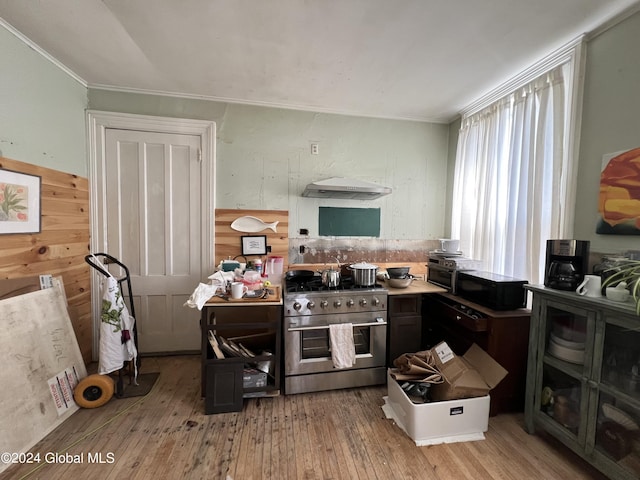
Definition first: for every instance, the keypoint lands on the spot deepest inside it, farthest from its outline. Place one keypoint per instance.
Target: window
(516, 163)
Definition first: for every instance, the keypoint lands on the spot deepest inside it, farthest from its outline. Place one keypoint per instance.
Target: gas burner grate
(315, 285)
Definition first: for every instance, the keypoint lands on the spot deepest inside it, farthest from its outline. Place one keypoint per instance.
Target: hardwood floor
(341, 434)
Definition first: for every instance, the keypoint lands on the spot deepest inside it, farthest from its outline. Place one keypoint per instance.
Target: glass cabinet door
(621, 359)
(618, 414)
(561, 398)
(565, 366)
(566, 336)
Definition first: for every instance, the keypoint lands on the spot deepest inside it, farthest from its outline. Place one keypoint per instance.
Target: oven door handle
(326, 327)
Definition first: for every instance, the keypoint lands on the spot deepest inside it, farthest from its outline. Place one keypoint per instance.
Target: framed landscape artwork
(619, 198)
(19, 202)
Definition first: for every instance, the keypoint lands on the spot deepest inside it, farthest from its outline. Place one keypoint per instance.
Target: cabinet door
(223, 387)
(565, 345)
(617, 409)
(405, 336)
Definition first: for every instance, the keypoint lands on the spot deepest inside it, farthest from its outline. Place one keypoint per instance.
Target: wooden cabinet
(258, 327)
(583, 380)
(404, 325)
(502, 334)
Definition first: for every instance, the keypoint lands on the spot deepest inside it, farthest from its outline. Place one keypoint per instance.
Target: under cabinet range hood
(346, 188)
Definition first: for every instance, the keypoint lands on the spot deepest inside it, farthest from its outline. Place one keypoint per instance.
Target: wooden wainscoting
(61, 245)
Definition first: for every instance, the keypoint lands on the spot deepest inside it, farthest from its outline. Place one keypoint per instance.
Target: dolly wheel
(94, 391)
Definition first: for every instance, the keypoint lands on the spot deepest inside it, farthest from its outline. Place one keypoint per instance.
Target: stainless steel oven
(442, 269)
(308, 364)
(442, 276)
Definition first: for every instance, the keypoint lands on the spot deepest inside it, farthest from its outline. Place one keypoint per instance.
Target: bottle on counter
(257, 265)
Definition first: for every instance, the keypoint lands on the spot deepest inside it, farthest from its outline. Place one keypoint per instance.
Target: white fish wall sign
(250, 224)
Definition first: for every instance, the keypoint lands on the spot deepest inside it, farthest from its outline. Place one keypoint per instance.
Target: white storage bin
(447, 421)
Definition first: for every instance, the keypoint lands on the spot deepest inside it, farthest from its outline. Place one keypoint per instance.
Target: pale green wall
(42, 119)
(42, 122)
(264, 159)
(610, 123)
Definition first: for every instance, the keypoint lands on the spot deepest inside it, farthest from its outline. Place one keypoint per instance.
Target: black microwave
(497, 292)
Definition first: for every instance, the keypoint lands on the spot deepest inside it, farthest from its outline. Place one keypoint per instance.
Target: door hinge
(199, 155)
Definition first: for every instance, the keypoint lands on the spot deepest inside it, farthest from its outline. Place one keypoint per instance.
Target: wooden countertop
(520, 312)
(274, 298)
(416, 287)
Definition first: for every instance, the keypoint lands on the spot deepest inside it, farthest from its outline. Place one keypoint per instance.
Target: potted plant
(625, 275)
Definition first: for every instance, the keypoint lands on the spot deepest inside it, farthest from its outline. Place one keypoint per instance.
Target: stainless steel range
(309, 309)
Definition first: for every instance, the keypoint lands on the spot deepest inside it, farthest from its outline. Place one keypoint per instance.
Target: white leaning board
(37, 343)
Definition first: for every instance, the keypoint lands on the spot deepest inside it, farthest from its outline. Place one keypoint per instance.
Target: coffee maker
(566, 263)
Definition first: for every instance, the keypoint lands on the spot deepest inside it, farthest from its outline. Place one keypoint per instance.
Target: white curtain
(514, 178)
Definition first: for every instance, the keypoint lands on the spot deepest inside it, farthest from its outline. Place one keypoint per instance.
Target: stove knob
(350, 302)
(375, 302)
(311, 305)
(297, 306)
(337, 304)
(363, 302)
(324, 304)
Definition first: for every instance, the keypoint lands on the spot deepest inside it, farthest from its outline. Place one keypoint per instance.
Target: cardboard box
(472, 375)
(252, 378)
(451, 421)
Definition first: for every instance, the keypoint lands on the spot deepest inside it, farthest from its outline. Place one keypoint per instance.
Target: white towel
(200, 295)
(343, 350)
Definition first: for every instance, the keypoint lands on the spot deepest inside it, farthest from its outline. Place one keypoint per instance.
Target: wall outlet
(314, 149)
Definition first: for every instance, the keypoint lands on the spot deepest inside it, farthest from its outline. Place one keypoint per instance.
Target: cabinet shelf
(571, 369)
(621, 395)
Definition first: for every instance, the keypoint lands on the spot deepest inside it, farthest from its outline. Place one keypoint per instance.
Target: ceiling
(404, 59)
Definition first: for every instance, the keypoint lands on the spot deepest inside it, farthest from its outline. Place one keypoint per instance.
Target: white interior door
(152, 197)
(153, 227)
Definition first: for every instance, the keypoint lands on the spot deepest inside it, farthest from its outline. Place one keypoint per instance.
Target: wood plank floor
(342, 434)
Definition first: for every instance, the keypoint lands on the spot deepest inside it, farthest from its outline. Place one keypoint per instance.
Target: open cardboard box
(472, 375)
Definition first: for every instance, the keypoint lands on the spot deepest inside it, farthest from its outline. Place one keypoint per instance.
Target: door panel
(153, 212)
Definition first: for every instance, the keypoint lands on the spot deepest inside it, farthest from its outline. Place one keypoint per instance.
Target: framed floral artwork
(19, 202)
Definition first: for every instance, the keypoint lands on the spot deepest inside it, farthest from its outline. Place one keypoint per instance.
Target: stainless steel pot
(364, 274)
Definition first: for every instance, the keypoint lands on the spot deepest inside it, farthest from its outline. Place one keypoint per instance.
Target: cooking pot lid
(363, 265)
